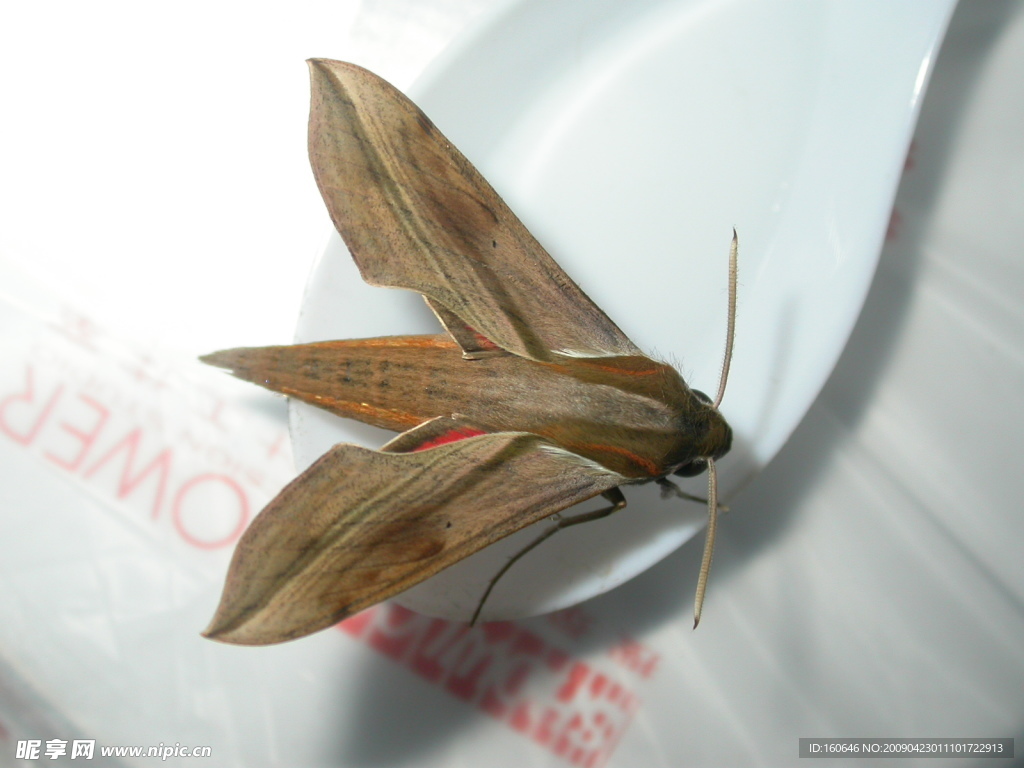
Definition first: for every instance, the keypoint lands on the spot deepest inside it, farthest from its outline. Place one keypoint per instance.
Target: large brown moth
(531, 402)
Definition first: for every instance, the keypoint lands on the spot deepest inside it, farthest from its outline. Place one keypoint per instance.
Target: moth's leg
(668, 488)
(614, 495)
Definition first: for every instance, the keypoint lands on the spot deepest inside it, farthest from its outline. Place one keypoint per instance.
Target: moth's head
(715, 440)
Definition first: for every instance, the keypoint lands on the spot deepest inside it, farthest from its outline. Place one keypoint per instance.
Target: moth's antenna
(709, 541)
(709, 536)
(730, 330)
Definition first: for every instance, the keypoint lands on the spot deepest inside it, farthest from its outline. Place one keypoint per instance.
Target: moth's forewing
(416, 214)
(361, 525)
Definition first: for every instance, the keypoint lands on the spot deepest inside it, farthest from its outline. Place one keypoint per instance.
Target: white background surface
(869, 583)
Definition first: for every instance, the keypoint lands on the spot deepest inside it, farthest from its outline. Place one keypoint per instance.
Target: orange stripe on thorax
(649, 466)
(625, 371)
(591, 364)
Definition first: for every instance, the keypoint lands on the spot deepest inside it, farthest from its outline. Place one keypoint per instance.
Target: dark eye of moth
(702, 397)
(692, 469)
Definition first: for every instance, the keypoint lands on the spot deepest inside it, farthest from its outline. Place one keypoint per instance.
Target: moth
(531, 401)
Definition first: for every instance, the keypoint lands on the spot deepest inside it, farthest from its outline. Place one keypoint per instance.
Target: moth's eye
(702, 397)
(691, 468)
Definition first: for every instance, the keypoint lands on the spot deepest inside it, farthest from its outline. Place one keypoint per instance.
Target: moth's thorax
(644, 421)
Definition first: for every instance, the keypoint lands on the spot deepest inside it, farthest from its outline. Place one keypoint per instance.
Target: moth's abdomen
(378, 381)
